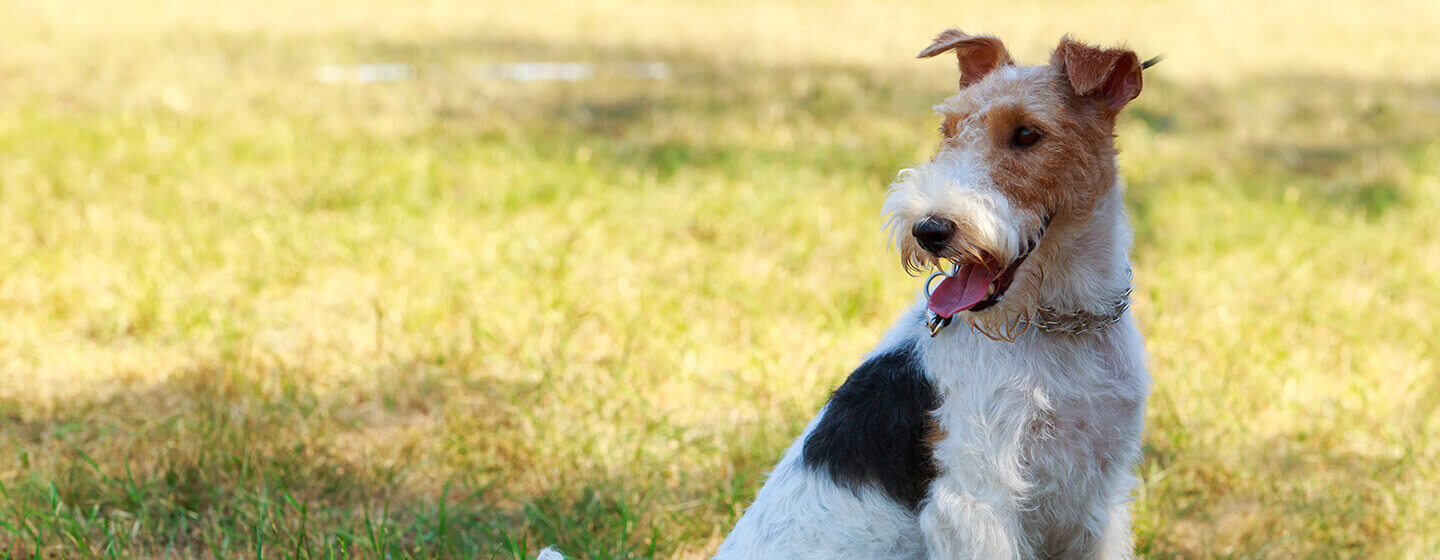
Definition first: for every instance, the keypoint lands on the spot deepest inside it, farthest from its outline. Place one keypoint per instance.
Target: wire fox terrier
(1013, 434)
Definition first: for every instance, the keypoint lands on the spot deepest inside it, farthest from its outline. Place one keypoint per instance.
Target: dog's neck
(1086, 266)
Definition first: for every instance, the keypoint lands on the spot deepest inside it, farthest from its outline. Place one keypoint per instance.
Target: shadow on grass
(215, 464)
(205, 466)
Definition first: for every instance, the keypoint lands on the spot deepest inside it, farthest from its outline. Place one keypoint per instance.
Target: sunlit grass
(244, 313)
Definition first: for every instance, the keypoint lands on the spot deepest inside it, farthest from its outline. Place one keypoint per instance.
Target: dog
(1000, 418)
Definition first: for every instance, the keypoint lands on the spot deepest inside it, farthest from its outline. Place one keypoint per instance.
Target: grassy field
(248, 313)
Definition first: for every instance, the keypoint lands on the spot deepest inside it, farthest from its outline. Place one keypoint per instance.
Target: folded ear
(1112, 75)
(978, 54)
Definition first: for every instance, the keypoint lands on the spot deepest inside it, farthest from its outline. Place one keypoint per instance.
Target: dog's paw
(549, 554)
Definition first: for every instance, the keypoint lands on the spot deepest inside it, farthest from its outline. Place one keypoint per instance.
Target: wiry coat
(987, 441)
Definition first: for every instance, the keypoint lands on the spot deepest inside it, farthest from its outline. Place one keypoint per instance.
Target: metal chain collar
(1078, 322)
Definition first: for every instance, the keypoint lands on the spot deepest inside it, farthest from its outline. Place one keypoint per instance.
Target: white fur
(799, 515)
(1043, 432)
(955, 185)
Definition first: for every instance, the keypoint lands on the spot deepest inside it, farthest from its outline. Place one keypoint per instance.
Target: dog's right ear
(978, 54)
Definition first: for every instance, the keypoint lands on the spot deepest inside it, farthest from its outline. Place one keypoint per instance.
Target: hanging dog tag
(935, 323)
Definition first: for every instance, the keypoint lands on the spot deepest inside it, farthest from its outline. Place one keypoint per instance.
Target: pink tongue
(961, 291)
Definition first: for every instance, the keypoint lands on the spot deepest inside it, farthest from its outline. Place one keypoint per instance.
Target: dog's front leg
(1118, 542)
(972, 520)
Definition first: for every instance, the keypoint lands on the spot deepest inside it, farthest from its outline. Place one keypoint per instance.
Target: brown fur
(934, 432)
(1113, 73)
(978, 54)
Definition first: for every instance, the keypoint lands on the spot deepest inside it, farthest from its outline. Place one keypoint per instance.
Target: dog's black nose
(932, 233)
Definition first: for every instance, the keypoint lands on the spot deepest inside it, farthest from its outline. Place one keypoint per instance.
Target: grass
(247, 314)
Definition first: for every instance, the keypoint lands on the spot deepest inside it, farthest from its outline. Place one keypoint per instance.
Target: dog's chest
(1025, 415)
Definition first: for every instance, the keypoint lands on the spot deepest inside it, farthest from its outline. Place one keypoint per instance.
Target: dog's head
(1025, 153)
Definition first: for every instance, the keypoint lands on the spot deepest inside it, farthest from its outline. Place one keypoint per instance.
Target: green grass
(247, 314)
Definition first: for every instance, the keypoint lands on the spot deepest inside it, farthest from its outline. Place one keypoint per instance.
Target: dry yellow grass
(246, 313)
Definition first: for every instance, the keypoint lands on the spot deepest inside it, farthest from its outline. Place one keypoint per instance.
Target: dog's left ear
(978, 54)
(1112, 75)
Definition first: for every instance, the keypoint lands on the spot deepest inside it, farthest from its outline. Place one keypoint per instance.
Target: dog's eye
(1025, 137)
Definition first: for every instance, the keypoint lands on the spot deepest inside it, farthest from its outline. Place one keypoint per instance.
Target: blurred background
(452, 279)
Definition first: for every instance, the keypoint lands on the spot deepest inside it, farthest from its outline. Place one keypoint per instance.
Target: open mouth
(975, 286)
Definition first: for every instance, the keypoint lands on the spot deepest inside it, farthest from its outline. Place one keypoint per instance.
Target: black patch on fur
(873, 430)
